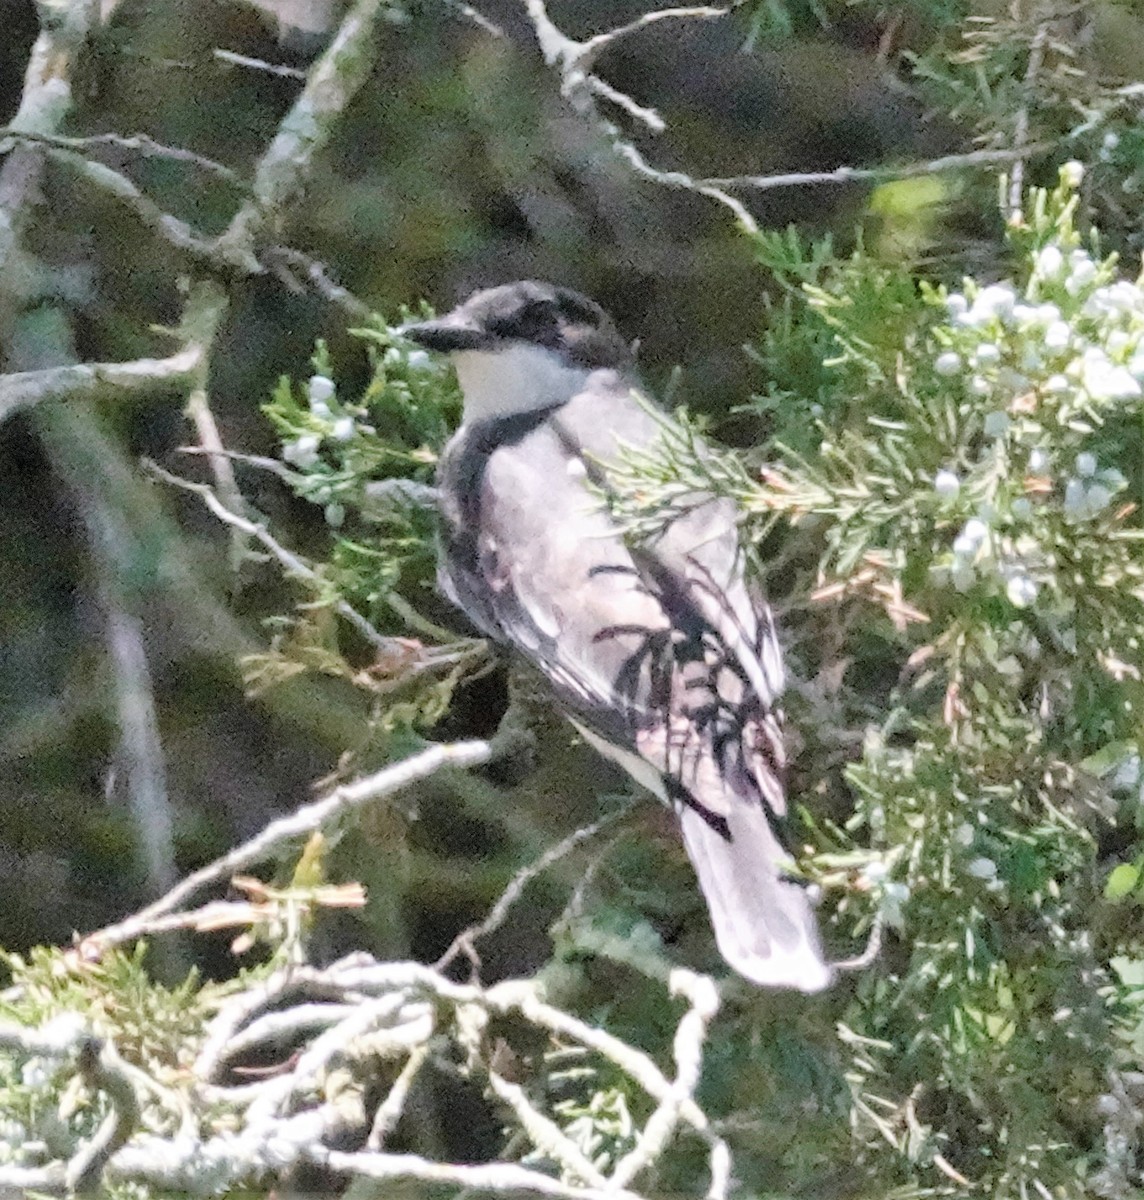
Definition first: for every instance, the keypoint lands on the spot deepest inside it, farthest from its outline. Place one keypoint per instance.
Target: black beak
(450, 332)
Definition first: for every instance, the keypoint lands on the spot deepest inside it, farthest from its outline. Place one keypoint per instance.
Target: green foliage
(968, 484)
(366, 461)
(340, 449)
(155, 1029)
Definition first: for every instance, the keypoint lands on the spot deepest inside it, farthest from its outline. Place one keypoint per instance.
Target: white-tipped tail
(764, 924)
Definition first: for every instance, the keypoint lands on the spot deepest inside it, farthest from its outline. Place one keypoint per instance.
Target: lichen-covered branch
(141, 376)
(330, 1036)
(331, 84)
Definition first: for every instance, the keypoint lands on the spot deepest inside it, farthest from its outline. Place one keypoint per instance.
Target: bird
(659, 650)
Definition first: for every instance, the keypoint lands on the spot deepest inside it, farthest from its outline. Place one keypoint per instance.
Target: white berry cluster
(1039, 367)
(303, 450)
(328, 422)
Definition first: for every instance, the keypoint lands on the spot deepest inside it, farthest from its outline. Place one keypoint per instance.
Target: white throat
(515, 379)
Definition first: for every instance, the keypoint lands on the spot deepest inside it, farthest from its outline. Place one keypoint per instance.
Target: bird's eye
(529, 322)
(542, 313)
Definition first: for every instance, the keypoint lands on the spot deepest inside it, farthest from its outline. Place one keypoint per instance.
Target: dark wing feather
(658, 652)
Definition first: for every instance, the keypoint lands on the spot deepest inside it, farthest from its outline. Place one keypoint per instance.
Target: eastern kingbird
(658, 650)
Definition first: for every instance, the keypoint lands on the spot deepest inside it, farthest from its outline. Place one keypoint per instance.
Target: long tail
(764, 924)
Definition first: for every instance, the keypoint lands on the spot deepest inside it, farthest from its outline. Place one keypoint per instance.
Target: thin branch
(213, 254)
(92, 381)
(477, 18)
(679, 180)
(690, 1035)
(317, 275)
(521, 997)
(451, 651)
(45, 102)
(139, 143)
(257, 64)
(591, 49)
(198, 409)
(639, 112)
(306, 981)
(573, 60)
(293, 564)
(936, 166)
(465, 941)
(390, 1109)
(546, 1136)
(456, 756)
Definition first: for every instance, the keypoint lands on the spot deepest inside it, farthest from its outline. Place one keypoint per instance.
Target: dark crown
(541, 314)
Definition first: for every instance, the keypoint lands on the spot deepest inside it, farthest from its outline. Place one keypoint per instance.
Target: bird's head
(523, 346)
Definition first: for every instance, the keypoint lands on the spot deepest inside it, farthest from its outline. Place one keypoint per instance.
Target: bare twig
(935, 166)
(317, 274)
(543, 1132)
(214, 255)
(574, 60)
(138, 143)
(390, 1109)
(580, 88)
(451, 652)
(295, 565)
(257, 64)
(306, 981)
(689, 1037)
(91, 381)
(201, 415)
(591, 49)
(871, 951)
(458, 755)
(339, 1021)
(465, 941)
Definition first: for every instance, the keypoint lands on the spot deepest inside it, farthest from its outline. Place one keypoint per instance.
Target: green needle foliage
(968, 471)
